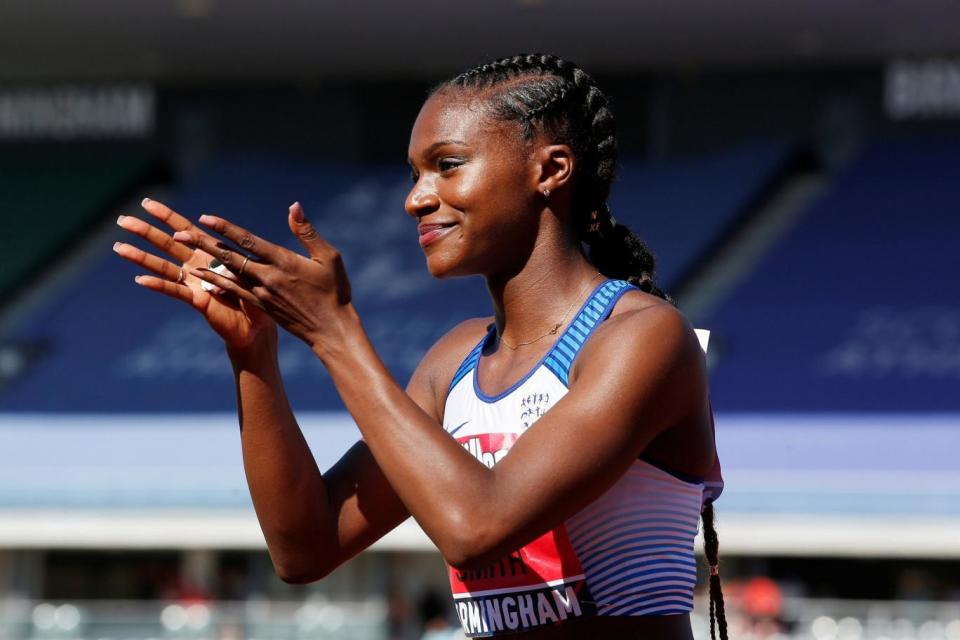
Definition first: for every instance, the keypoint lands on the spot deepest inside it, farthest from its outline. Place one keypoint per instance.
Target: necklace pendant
(554, 330)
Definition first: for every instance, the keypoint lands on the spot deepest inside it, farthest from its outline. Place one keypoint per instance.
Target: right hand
(239, 323)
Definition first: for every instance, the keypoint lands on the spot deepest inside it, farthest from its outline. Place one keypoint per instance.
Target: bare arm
(642, 373)
(311, 522)
(574, 453)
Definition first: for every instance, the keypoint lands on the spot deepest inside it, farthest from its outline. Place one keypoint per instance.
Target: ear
(554, 164)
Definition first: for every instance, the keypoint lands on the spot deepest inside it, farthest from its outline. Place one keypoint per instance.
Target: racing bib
(540, 584)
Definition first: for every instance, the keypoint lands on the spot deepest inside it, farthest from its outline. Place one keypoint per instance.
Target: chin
(439, 269)
(441, 266)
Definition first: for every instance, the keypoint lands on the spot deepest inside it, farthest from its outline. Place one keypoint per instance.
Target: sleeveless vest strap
(470, 361)
(595, 310)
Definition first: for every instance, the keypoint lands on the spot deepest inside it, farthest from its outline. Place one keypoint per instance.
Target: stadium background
(793, 166)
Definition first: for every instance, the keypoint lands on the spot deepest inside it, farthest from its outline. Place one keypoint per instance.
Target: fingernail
(205, 219)
(120, 219)
(297, 211)
(182, 236)
(145, 202)
(137, 280)
(117, 245)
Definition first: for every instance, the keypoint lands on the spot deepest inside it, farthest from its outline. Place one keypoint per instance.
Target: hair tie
(714, 570)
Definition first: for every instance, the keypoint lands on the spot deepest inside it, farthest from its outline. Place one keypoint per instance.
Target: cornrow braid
(621, 253)
(543, 92)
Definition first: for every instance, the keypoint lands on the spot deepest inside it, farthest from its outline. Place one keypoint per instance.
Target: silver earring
(546, 193)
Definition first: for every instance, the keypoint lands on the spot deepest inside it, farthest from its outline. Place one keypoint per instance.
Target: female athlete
(586, 374)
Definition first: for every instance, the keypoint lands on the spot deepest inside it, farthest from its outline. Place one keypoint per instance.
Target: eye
(414, 176)
(448, 164)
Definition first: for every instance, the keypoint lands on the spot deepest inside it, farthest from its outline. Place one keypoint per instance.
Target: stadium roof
(216, 40)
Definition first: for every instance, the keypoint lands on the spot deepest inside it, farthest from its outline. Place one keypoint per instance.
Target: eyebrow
(436, 145)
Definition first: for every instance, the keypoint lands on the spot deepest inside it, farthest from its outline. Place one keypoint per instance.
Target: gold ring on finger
(181, 277)
(243, 265)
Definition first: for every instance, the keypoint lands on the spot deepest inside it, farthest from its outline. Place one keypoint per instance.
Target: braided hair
(547, 93)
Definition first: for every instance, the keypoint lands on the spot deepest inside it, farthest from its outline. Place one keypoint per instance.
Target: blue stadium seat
(683, 207)
(854, 309)
(115, 348)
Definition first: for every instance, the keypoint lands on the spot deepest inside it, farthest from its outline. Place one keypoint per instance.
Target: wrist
(343, 335)
(259, 351)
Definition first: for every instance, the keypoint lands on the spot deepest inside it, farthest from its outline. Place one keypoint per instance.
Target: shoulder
(645, 335)
(440, 363)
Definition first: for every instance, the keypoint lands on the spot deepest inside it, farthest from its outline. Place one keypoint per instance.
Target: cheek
(489, 196)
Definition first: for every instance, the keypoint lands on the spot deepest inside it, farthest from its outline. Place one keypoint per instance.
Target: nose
(421, 200)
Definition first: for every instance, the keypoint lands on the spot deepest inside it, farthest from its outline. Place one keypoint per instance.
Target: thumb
(304, 231)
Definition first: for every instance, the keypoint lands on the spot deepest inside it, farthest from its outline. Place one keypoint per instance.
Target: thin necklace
(556, 327)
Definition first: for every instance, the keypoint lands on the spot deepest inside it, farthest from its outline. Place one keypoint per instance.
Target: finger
(227, 284)
(169, 217)
(228, 257)
(154, 236)
(243, 238)
(315, 245)
(172, 289)
(159, 266)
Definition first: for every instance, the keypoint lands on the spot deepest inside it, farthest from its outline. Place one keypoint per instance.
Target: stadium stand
(836, 364)
(683, 208)
(49, 199)
(143, 387)
(849, 312)
(115, 348)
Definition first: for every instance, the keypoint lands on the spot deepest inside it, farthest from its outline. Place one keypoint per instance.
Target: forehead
(457, 115)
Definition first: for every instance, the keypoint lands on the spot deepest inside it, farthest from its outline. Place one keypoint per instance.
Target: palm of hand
(236, 321)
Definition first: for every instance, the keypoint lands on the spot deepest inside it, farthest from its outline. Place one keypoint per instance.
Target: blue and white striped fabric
(635, 543)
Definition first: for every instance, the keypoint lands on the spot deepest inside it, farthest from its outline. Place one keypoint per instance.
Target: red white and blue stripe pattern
(634, 543)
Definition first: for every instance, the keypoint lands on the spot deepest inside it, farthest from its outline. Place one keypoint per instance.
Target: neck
(530, 300)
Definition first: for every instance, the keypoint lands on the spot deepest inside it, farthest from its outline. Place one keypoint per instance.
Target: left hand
(309, 296)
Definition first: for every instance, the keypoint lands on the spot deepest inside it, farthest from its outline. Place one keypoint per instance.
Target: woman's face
(474, 190)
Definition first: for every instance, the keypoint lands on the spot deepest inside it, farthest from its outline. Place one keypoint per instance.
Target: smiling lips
(430, 233)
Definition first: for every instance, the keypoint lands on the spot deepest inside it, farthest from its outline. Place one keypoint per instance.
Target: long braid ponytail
(711, 548)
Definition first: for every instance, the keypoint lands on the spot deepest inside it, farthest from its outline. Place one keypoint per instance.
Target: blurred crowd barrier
(828, 619)
(786, 619)
(198, 620)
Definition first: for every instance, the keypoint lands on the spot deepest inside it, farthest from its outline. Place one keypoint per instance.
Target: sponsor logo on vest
(508, 566)
(489, 458)
(507, 613)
